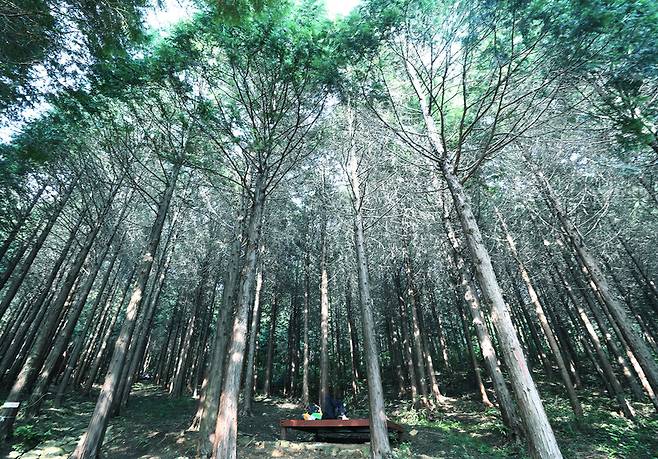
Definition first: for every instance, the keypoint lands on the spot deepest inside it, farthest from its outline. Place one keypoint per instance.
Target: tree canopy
(425, 209)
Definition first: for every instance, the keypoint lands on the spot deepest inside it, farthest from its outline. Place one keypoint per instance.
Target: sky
(337, 8)
(175, 10)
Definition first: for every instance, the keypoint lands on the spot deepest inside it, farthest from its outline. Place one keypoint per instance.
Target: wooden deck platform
(334, 426)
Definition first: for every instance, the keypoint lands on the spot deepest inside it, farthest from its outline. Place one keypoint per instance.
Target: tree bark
(64, 336)
(105, 342)
(92, 342)
(226, 429)
(30, 327)
(417, 339)
(101, 298)
(253, 336)
(352, 337)
(36, 247)
(20, 222)
(271, 339)
(474, 361)
(90, 443)
(145, 329)
(540, 433)
(207, 410)
(24, 313)
(324, 314)
(599, 284)
(648, 283)
(543, 321)
(305, 363)
(608, 372)
(176, 388)
(396, 357)
(32, 365)
(508, 407)
(379, 444)
(406, 340)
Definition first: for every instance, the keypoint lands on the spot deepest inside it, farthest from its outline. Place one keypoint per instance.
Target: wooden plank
(333, 423)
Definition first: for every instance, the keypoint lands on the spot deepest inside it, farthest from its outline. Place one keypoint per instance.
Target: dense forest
(442, 212)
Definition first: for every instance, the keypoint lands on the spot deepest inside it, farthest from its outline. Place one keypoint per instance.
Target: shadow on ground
(156, 426)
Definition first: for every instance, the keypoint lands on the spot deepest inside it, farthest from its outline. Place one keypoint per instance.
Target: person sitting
(334, 409)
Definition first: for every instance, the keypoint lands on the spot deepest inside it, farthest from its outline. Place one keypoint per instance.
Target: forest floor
(155, 426)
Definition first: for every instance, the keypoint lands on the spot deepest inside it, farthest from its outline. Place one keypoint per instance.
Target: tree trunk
(104, 343)
(608, 372)
(101, 298)
(154, 299)
(90, 443)
(17, 281)
(307, 280)
(540, 434)
(19, 223)
(324, 315)
(64, 335)
(543, 321)
(379, 444)
(176, 388)
(352, 337)
(443, 346)
(599, 283)
(226, 429)
(535, 334)
(396, 357)
(508, 408)
(30, 327)
(207, 410)
(417, 340)
(406, 345)
(23, 314)
(92, 342)
(649, 332)
(32, 365)
(271, 341)
(293, 340)
(474, 361)
(253, 337)
(647, 283)
(17, 256)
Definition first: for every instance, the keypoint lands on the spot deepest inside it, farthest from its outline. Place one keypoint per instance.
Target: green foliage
(403, 451)
(617, 44)
(27, 436)
(235, 11)
(606, 432)
(25, 28)
(64, 38)
(50, 136)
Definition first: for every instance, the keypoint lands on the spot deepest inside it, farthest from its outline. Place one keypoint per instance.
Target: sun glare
(339, 8)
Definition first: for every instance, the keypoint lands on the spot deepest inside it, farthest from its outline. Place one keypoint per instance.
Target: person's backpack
(313, 411)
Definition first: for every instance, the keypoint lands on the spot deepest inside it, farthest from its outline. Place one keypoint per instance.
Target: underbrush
(460, 428)
(464, 428)
(27, 436)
